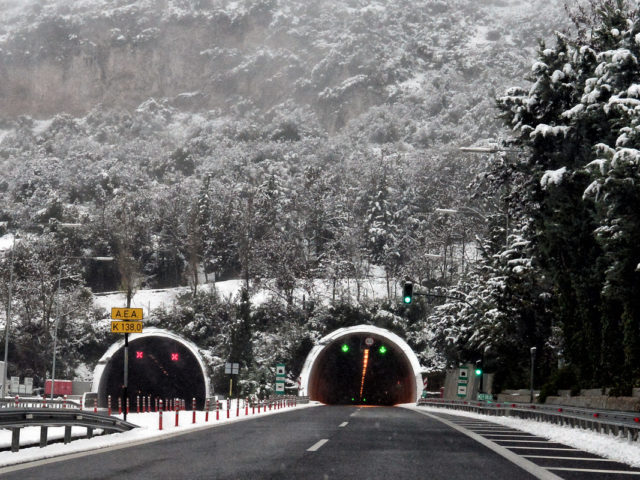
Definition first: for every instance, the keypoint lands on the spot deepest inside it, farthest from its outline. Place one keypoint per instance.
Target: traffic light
(407, 292)
(478, 368)
(382, 350)
(344, 348)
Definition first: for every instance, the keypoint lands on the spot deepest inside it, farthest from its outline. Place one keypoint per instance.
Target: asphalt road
(339, 442)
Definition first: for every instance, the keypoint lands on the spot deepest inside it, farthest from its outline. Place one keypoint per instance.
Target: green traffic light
(364, 399)
(345, 348)
(407, 299)
(382, 350)
(478, 372)
(353, 399)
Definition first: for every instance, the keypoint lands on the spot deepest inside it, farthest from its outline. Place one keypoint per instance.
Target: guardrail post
(15, 439)
(43, 436)
(67, 434)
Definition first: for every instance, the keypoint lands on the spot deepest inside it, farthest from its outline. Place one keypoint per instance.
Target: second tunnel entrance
(364, 368)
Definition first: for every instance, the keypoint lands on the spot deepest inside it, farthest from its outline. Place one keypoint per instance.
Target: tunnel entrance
(161, 365)
(362, 365)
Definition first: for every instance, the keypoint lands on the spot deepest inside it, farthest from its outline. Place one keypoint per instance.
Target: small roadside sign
(126, 327)
(130, 314)
(280, 374)
(231, 368)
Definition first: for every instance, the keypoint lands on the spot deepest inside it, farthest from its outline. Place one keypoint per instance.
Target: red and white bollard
(237, 407)
(109, 404)
(137, 404)
(246, 407)
(64, 402)
(44, 401)
(177, 414)
(17, 400)
(206, 411)
(127, 405)
(160, 417)
(95, 405)
(259, 403)
(217, 410)
(119, 406)
(193, 407)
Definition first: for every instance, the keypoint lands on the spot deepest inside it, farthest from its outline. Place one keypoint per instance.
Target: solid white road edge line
(343, 424)
(580, 459)
(521, 462)
(317, 445)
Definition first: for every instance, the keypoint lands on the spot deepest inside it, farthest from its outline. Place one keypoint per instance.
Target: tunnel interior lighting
(344, 348)
(382, 350)
(365, 362)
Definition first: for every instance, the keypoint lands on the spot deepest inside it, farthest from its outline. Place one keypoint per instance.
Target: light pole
(55, 330)
(493, 148)
(533, 359)
(7, 322)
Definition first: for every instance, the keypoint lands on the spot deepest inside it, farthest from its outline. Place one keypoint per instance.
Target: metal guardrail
(602, 421)
(15, 419)
(37, 402)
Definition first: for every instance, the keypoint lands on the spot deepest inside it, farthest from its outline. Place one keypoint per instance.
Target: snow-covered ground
(148, 431)
(370, 288)
(607, 446)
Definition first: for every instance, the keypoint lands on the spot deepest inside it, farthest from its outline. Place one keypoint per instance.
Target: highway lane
(340, 442)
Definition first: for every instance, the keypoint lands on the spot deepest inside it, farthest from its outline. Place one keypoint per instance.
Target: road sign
(126, 314)
(126, 327)
(280, 374)
(231, 368)
(462, 390)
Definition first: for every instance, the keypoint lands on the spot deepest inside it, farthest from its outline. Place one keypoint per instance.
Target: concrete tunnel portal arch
(338, 371)
(161, 365)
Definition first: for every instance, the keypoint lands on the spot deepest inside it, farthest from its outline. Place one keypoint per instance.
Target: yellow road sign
(126, 327)
(126, 314)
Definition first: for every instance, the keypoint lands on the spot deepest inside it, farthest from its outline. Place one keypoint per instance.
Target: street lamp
(7, 322)
(533, 359)
(55, 329)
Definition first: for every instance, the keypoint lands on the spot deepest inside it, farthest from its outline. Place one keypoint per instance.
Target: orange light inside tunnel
(365, 362)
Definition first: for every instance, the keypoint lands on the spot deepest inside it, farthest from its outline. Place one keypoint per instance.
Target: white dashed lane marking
(317, 445)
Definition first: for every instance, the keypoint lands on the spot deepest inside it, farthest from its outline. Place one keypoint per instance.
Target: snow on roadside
(148, 431)
(609, 446)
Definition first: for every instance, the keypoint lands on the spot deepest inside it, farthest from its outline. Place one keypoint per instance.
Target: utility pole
(533, 359)
(6, 325)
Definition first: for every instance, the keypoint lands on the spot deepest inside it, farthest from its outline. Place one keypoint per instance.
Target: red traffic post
(64, 402)
(17, 400)
(44, 401)
(193, 407)
(206, 411)
(127, 405)
(119, 406)
(217, 410)
(109, 404)
(237, 407)
(160, 417)
(177, 415)
(137, 404)
(95, 405)
(246, 407)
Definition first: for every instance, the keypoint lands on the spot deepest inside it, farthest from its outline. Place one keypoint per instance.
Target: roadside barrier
(620, 424)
